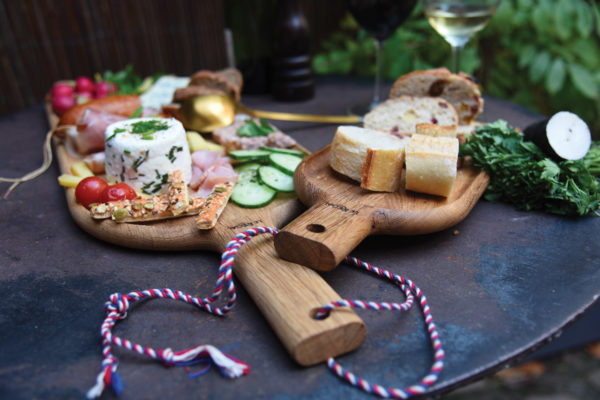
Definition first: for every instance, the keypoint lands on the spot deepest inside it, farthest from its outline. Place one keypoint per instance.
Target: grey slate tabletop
(500, 284)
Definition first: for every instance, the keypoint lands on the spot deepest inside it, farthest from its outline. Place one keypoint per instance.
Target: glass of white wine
(458, 20)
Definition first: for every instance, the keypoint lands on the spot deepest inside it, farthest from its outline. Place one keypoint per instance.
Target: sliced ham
(204, 159)
(95, 162)
(89, 136)
(208, 169)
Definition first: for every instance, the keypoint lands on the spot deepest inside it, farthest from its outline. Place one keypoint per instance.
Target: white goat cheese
(143, 151)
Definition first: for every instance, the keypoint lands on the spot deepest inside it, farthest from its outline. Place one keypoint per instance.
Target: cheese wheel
(350, 144)
(431, 164)
(142, 152)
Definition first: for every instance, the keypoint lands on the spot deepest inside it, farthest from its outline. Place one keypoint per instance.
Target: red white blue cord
(408, 287)
(118, 305)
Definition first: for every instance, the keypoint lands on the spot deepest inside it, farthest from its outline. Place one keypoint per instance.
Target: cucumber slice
(252, 194)
(285, 162)
(276, 179)
(247, 171)
(292, 152)
(248, 166)
(247, 155)
(248, 175)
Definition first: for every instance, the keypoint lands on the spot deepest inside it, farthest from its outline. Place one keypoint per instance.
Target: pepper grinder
(292, 77)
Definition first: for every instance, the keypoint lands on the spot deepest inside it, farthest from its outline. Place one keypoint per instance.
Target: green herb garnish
(115, 132)
(140, 160)
(137, 112)
(171, 154)
(251, 128)
(522, 175)
(148, 128)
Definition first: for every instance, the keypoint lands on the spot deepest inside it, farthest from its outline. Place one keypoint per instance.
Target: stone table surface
(500, 284)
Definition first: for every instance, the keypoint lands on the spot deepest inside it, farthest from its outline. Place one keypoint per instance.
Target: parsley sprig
(522, 175)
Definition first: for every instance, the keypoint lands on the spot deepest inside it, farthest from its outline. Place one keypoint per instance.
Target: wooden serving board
(342, 214)
(286, 293)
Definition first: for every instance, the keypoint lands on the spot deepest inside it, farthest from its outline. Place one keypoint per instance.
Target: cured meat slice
(89, 136)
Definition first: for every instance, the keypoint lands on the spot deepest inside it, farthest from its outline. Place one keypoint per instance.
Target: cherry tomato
(118, 191)
(89, 190)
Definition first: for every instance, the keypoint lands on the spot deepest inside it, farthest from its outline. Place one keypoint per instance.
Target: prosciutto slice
(89, 136)
(208, 169)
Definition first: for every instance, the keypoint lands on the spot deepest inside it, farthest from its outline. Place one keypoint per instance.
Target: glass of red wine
(380, 18)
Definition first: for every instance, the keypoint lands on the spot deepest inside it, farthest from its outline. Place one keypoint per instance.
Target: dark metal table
(507, 283)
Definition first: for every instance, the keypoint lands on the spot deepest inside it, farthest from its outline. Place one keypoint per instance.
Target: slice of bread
(349, 148)
(400, 115)
(436, 130)
(458, 89)
(431, 164)
(382, 169)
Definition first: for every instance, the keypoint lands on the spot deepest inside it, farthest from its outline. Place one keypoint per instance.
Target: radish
(61, 89)
(563, 136)
(104, 88)
(60, 104)
(84, 84)
(83, 97)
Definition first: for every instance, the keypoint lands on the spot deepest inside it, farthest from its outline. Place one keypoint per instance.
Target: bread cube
(350, 144)
(431, 164)
(382, 170)
(436, 130)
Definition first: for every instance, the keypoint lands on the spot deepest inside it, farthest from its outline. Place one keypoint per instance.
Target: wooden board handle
(288, 295)
(324, 235)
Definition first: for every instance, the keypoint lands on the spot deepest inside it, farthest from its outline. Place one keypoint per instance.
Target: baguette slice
(349, 148)
(382, 170)
(436, 130)
(400, 115)
(458, 89)
(431, 164)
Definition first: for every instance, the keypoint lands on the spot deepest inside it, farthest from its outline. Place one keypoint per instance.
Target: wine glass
(379, 18)
(458, 20)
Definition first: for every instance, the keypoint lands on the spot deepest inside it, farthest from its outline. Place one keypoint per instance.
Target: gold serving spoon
(208, 112)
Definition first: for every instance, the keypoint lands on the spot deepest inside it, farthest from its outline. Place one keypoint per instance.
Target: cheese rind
(144, 161)
(431, 164)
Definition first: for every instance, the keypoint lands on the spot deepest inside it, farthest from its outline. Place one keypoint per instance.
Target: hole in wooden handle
(314, 311)
(316, 228)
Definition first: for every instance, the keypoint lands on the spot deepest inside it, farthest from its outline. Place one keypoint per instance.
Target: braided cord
(117, 306)
(408, 287)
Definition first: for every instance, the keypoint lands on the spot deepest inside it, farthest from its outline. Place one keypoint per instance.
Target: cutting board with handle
(286, 293)
(341, 214)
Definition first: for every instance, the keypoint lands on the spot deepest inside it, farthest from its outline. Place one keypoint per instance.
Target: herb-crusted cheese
(143, 151)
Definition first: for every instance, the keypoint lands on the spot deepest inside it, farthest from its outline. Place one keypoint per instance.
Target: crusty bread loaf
(459, 89)
(350, 144)
(436, 130)
(400, 115)
(431, 164)
(227, 80)
(382, 169)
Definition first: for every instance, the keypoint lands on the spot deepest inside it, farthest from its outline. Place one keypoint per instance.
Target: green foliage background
(542, 54)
